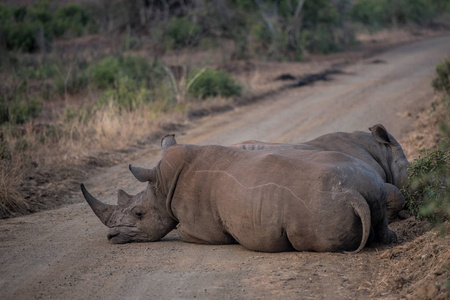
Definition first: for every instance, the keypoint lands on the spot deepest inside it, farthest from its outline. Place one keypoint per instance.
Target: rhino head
(144, 217)
(397, 164)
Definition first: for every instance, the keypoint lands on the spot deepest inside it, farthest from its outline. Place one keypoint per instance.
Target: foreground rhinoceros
(378, 149)
(315, 201)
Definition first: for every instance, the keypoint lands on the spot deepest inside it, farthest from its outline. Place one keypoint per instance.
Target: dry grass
(44, 158)
(11, 199)
(106, 129)
(419, 269)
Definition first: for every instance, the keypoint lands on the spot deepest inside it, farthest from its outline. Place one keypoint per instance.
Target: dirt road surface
(64, 253)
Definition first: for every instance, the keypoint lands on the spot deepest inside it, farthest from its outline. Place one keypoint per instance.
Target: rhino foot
(389, 237)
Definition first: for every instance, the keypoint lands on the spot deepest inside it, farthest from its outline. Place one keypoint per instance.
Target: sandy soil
(64, 253)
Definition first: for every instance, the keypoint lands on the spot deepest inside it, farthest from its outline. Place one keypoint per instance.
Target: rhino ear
(143, 174)
(380, 134)
(123, 199)
(168, 141)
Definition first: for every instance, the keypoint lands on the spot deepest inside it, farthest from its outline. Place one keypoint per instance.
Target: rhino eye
(139, 215)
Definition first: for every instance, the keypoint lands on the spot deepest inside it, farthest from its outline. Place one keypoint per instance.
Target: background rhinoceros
(314, 201)
(379, 149)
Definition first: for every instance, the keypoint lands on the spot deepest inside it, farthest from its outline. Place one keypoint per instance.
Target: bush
(23, 27)
(427, 195)
(182, 33)
(105, 72)
(23, 111)
(22, 37)
(128, 82)
(379, 13)
(72, 19)
(72, 79)
(110, 69)
(126, 95)
(442, 82)
(371, 13)
(212, 83)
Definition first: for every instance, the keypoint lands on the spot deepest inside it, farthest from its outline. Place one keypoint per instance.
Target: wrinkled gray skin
(317, 201)
(378, 149)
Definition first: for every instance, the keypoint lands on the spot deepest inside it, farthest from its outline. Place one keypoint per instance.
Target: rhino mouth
(112, 235)
(126, 234)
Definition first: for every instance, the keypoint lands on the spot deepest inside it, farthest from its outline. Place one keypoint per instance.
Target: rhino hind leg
(384, 235)
(394, 202)
(379, 215)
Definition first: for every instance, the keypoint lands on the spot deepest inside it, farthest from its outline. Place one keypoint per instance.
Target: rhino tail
(362, 209)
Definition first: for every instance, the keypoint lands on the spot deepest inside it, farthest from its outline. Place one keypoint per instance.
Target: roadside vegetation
(428, 191)
(100, 75)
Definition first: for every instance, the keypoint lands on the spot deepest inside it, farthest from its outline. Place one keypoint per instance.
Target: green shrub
(23, 111)
(105, 72)
(110, 69)
(72, 19)
(29, 67)
(380, 13)
(123, 96)
(128, 82)
(22, 37)
(5, 151)
(427, 195)
(23, 26)
(182, 33)
(72, 77)
(212, 83)
(442, 81)
(371, 13)
(321, 40)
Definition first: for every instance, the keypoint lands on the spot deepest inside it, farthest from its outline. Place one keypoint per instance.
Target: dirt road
(64, 253)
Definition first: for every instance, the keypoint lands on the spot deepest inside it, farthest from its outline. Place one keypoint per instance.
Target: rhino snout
(112, 234)
(114, 237)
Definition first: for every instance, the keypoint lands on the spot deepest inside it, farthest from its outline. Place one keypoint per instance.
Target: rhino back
(358, 144)
(270, 201)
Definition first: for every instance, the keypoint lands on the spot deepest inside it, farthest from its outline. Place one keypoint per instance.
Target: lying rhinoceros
(317, 201)
(379, 149)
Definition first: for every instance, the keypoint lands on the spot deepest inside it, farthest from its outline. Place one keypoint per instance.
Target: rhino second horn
(168, 141)
(143, 174)
(102, 211)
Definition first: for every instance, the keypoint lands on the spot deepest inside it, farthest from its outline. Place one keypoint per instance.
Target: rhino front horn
(168, 141)
(102, 211)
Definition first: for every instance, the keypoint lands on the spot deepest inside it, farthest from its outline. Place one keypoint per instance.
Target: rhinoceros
(270, 202)
(379, 149)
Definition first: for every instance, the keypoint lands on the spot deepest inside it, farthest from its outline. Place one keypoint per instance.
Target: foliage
(25, 110)
(105, 72)
(72, 77)
(182, 33)
(128, 81)
(72, 19)
(284, 30)
(379, 13)
(371, 13)
(212, 83)
(442, 81)
(427, 194)
(16, 106)
(32, 28)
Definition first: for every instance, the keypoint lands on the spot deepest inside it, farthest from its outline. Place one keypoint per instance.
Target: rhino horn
(143, 174)
(103, 211)
(168, 141)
